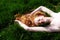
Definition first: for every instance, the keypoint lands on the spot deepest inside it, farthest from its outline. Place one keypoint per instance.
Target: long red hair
(29, 19)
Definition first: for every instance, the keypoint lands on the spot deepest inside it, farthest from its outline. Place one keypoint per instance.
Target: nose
(41, 21)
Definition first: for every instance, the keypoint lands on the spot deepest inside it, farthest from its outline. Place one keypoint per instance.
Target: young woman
(54, 20)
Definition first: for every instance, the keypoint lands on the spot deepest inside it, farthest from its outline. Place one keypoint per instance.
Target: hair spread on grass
(28, 19)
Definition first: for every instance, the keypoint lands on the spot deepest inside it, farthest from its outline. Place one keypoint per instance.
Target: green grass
(9, 30)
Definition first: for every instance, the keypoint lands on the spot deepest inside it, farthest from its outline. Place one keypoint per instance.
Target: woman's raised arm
(44, 9)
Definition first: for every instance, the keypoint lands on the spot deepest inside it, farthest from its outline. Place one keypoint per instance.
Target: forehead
(39, 17)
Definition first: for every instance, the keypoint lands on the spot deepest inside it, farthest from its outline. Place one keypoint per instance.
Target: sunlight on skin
(53, 27)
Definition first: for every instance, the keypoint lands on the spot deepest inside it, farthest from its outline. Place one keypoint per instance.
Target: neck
(49, 18)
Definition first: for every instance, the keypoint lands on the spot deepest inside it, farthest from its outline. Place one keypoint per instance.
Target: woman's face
(41, 20)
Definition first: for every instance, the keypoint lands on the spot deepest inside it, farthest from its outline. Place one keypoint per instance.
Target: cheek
(45, 20)
(36, 22)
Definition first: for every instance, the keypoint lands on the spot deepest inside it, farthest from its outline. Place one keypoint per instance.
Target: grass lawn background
(9, 30)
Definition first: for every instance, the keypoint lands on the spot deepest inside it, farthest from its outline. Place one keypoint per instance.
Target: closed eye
(39, 20)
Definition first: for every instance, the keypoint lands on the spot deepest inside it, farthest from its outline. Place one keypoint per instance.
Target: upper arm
(54, 28)
(45, 29)
(40, 29)
(44, 9)
(48, 11)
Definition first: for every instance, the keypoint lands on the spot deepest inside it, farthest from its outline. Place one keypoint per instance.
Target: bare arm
(40, 29)
(45, 29)
(33, 28)
(22, 24)
(44, 9)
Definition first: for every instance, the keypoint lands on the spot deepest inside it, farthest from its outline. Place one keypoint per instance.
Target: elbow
(41, 6)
